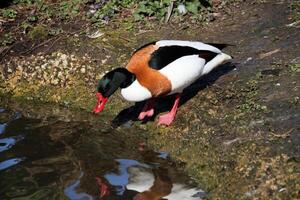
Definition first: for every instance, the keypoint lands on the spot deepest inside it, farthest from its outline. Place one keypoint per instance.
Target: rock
(182, 9)
(9, 70)
(103, 61)
(64, 60)
(60, 75)
(216, 15)
(44, 66)
(83, 70)
(55, 81)
(56, 62)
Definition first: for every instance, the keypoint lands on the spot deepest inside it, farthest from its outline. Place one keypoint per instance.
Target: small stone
(73, 58)
(83, 70)
(182, 9)
(44, 66)
(64, 61)
(248, 59)
(45, 76)
(215, 14)
(20, 68)
(56, 62)
(55, 81)
(60, 74)
(103, 61)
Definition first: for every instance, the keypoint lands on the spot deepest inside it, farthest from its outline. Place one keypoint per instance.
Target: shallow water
(47, 158)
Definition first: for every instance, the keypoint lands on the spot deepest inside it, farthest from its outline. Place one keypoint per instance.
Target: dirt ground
(237, 130)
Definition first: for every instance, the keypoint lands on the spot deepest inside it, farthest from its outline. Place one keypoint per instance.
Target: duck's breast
(183, 72)
(136, 92)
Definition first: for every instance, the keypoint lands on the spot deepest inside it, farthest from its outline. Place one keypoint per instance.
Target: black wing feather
(167, 54)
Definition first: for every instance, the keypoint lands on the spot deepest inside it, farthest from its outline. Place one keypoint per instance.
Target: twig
(6, 51)
(121, 37)
(170, 9)
(294, 24)
(37, 46)
(59, 37)
(143, 31)
(263, 55)
(284, 135)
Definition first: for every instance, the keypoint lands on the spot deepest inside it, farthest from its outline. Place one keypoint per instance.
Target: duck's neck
(124, 77)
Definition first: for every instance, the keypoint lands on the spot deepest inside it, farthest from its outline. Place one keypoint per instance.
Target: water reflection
(7, 143)
(2, 128)
(11, 162)
(77, 160)
(139, 181)
(71, 192)
(121, 178)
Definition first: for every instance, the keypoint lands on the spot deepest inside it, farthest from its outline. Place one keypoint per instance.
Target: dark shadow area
(5, 3)
(164, 104)
(205, 3)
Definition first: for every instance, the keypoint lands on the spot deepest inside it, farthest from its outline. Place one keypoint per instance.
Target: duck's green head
(109, 83)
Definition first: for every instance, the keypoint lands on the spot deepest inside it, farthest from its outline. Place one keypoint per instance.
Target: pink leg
(148, 109)
(167, 118)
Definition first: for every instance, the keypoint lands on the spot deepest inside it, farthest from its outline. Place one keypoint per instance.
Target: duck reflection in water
(151, 186)
(157, 185)
(138, 181)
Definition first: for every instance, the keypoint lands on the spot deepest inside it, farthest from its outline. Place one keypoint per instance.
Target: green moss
(294, 7)
(7, 39)
(9, 13)
(38, 32)
(295, 68)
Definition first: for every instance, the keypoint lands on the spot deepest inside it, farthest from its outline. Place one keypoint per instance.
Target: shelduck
(158, 69)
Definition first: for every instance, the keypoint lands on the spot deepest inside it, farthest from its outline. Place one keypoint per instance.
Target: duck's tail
(220, 59)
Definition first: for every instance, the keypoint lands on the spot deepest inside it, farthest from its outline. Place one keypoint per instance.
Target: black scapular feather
(167, 54)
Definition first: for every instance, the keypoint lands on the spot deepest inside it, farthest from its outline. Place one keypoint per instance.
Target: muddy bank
(237, 129)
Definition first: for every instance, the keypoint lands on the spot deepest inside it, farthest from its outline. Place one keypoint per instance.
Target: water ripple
(71, 192)
(2, 128)
(11, 162)
(7, 143)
